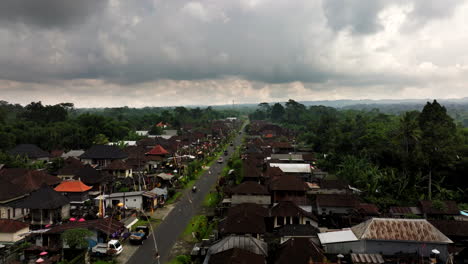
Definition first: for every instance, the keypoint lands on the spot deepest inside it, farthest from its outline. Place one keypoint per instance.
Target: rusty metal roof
(367, 258)
(419, 230)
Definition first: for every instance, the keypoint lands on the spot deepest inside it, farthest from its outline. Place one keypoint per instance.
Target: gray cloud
(130, 43)
(360, 16)
(49, 13)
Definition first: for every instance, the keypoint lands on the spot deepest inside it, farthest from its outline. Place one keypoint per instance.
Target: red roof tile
(72, 186)
(157, 150)
(11, 226)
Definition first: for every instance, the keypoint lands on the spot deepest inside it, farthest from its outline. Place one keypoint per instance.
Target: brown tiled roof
(251, 170)
(71, 165)
(451, 227)
(419, 230)
(250, 187)
(402, 210)
(11, 226)
(337, 200)
(450, 208)
(288, 183)
(273, 172)
(369, 209)
(118, 165)
(287, 208)
(299, 251)
(281, 145)
(30, 180)
(90, 176)
(104, 152)
(245, 219)
(236, 256)
(107, 226)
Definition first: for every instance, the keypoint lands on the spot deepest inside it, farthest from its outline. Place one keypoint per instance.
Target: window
(296, 220)
(288, 220)
(307, 222)
(8, 213)
(14, 212)
(134, 200)
(126, 200)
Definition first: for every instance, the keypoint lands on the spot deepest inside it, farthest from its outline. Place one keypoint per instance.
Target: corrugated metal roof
(287, 156)
(399, 229)
(367, 258)
(292, 167)
(243, 242)
(337, 237)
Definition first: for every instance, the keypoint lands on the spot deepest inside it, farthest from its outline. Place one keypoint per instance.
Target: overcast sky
(174, 52)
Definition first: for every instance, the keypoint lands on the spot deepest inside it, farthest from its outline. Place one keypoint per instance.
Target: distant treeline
(61, 126)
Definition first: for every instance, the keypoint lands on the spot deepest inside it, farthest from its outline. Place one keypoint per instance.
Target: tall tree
(438, 139)
(277, 112)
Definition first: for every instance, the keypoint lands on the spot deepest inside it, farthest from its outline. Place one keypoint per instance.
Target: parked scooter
(194, 188)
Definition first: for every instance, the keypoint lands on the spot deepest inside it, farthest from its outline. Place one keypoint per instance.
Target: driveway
(174, 224)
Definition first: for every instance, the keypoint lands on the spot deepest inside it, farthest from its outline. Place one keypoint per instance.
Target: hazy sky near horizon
(173, 52)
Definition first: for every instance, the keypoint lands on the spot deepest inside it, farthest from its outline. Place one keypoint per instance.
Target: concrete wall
(134, 202)
(302, 221)
(13, 237)
(257, 199)
(18, 213)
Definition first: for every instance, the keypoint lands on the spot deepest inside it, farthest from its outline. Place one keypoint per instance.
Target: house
(281, 147)
(341, 204)
(102, 230)
(289, 188)
(70, 167)
(300, 170)
(75, 190)
(119, 169)
(102, 155)
(136, 158)
(246, 242)
(298, 231)
(252, 171)
(31, 151)
(431, 209)
(11, 230)
(299, 251)
(237, 256)
(245, 219)
(250, 192)
(156, 155)
(388, 236)
(288, 213)
(46, 206)
(92, 177)
(330, 187)
(17, 183)
(139, 200)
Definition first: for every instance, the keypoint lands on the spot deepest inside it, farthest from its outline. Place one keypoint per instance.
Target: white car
(113, 247)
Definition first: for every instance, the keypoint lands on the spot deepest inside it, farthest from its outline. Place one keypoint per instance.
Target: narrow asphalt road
(174, 224)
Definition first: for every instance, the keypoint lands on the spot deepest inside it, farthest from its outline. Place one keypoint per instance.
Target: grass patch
(198, 229)
(212, 199)
(174, 198)
(181, 259)
(141, 222)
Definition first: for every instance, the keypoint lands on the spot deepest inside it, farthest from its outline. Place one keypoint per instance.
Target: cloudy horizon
(104, 53)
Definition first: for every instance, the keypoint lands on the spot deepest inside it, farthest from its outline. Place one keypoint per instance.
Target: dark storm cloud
(275, 42)
(49, 13)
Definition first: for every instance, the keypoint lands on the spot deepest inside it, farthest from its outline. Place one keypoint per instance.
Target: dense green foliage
(76, 238)
(390, 157)
(63, 127)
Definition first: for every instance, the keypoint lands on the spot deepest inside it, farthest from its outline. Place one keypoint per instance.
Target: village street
(174, 224)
